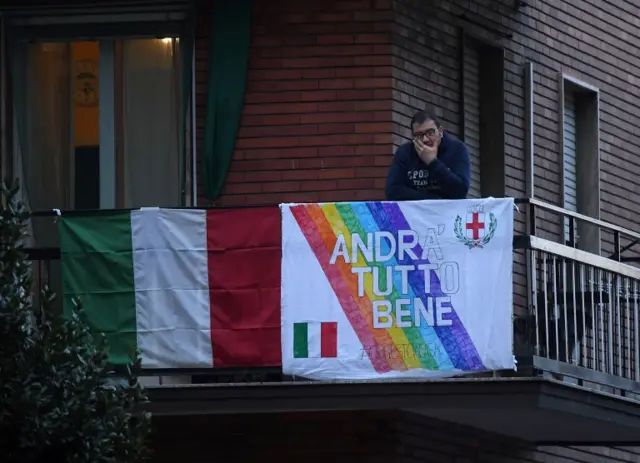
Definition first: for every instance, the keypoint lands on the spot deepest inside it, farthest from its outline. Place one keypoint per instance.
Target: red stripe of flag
(244, 254)
(329, 339)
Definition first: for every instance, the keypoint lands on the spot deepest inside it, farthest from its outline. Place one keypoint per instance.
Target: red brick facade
(329, 87)
(317, 119)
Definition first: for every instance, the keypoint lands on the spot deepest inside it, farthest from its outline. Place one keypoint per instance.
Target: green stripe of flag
(300, 340)
(97, 268)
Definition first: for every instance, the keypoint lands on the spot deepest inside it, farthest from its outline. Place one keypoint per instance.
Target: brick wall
(575, 37)
(351, 437)
(595, 41)
(427, 71)
(316, 123)
(332, 85)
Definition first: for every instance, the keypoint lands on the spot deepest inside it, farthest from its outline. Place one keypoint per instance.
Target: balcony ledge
(538, 410)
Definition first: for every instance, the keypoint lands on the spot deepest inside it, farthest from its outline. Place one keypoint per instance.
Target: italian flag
(186, 288)
(315, 340)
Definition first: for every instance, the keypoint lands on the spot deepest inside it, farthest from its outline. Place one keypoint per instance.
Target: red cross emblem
(475, 225)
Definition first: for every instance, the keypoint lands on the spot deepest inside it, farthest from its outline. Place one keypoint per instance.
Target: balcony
(582, 324)
(576, 340)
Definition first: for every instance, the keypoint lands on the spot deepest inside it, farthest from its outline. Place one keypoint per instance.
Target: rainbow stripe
(393, 349)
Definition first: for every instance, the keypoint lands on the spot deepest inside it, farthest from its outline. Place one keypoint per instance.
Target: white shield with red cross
(475, 226)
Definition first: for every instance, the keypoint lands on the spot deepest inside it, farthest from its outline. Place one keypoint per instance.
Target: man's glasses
(427, 133)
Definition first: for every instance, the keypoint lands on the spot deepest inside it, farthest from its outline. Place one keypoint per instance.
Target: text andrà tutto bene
(380, 259)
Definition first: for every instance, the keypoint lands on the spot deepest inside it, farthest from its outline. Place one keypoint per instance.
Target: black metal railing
(581, 320)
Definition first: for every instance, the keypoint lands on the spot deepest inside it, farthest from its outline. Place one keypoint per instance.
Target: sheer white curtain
(152, 168)
(42, 142)
(42, 147)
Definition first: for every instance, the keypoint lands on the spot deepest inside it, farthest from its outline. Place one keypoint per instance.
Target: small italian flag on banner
(184, 287)
(315, 340)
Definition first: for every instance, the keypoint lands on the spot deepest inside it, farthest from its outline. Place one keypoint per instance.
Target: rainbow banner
(374, 290)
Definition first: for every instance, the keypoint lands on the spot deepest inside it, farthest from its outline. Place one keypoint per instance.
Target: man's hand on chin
(426, 152)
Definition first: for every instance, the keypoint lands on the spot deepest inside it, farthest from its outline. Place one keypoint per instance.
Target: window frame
(588, 164)
(107, 27)
(492, 106)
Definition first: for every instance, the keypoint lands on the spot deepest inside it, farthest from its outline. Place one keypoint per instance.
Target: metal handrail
(577, 255)
(575, 215)
(616, 230)
(530, 201)
(80, 212)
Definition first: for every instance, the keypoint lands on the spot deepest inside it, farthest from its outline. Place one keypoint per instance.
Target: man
(434, 165)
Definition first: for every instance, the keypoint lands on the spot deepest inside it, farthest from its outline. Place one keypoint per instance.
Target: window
(99, 124)
(569, 159)
(102, 103)
(580, 160)
(482, 101)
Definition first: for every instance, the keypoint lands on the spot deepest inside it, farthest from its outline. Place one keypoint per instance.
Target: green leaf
(56, 405)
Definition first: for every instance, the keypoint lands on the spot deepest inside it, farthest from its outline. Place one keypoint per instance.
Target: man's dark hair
(423, 116)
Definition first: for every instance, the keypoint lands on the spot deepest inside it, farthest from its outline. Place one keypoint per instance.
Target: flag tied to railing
(390, 290)
(187, 288)
(329, 291)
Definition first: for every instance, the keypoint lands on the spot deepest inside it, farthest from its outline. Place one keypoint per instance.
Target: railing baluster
(576, 346)
(594, 320)
(636, 331)
(610, 368)
(601, 329)
(533, 262)
(627, 328)
(619, 323)
(583, 312)
(546, 303)
(556, 312)
(603, 357)
(565, 335)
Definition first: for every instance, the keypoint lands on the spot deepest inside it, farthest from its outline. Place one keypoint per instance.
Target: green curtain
(229, 56)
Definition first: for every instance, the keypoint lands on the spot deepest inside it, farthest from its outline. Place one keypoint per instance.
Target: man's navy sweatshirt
(447, 177)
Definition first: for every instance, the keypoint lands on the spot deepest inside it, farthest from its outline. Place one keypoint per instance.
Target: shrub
(60, 401)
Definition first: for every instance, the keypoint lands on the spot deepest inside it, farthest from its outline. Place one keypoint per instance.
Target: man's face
(428, 133)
